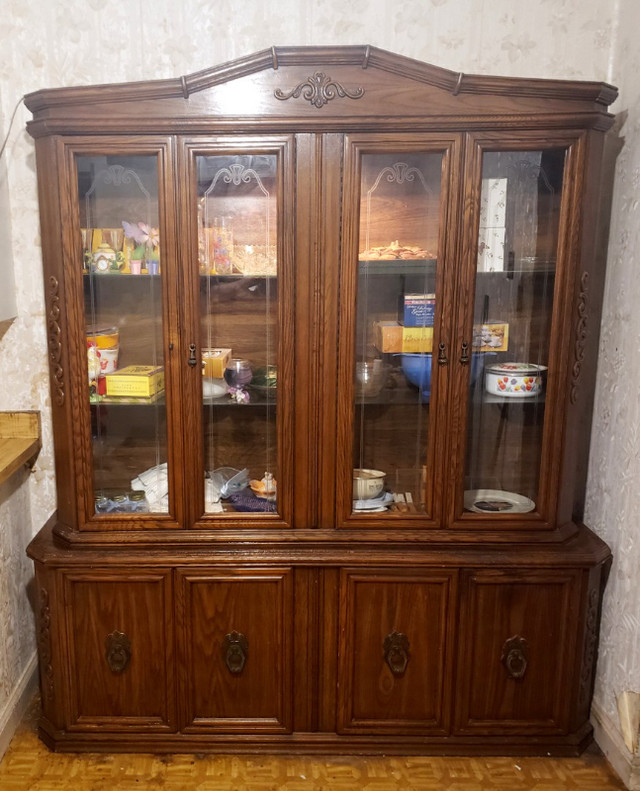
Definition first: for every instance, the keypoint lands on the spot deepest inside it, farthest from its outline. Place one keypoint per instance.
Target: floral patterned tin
(515, 380)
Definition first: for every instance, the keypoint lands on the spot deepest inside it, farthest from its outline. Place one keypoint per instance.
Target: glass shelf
(396, 266)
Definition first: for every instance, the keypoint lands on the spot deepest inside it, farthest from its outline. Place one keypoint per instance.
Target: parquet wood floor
(29, 766)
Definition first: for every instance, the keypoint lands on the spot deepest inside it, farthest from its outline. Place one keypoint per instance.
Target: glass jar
(138, 502)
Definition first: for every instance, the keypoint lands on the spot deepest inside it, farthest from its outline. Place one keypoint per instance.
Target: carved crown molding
(319, 89)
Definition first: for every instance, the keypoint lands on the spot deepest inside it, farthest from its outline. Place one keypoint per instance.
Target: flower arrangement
(147, 241)
(239, 394)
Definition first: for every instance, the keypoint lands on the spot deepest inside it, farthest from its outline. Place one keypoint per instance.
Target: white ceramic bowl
(514, 380)
(367, 484)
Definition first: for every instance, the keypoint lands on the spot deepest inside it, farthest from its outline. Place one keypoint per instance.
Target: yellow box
(417, 339)
(136, 381)
(214, 361)
(388, 336)
(493, 336)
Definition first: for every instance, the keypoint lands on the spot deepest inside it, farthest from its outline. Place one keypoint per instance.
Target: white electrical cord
(13, 115)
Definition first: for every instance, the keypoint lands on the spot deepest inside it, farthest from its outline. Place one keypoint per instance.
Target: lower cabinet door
(236, 650)
(395, 641)
(119, 632)
(517, 651)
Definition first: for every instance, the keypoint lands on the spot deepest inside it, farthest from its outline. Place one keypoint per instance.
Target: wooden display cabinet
(322, 328)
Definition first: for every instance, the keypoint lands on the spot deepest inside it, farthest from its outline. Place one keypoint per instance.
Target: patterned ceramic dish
(514, 380)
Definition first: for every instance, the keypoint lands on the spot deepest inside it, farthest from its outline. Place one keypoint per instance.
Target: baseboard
(17, 704)
(609, 739)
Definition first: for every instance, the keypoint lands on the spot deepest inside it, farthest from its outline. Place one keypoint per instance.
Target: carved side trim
(319, 89)
(44, 645)
(581, 336)
(590, 643)
(54, 338)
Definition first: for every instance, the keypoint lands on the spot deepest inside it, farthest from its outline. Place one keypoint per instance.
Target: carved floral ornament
(319, 89)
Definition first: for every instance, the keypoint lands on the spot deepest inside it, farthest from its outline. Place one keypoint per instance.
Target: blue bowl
(417, 369)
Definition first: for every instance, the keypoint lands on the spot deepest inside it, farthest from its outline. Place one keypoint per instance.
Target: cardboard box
(419, 310)
(417, 339)
(136, 381)
(214, 361)
(388, 337)
(491, 337)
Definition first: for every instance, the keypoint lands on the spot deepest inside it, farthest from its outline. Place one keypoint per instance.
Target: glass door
(242, 360)
(123, 266)
(398, 360)
(512, 355)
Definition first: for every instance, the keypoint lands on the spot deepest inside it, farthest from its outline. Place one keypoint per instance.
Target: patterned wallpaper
(613, 505)
(48, 43)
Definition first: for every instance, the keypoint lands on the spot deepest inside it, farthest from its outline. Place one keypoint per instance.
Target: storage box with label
(493, 336)
(417, 339)
(419, 310)
(388, 337)
(136, 381)
(214, 361)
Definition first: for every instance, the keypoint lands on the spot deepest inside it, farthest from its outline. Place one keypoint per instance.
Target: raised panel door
(515, 652)
(120, 640)
(237, 641)
(396, 632)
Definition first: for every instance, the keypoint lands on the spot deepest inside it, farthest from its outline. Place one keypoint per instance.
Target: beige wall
(47, 43)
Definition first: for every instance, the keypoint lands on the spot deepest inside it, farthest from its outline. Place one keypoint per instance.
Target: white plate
(497, 502)
(374, 504)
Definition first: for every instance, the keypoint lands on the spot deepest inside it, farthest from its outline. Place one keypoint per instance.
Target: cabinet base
(315, 744)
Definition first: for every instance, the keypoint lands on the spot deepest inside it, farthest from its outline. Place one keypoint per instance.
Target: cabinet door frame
(283, 147)
(355, 145)
(210, 575)
(565, 652)
(69, 284)
(347, 723)
(557, 389)
(75, 721)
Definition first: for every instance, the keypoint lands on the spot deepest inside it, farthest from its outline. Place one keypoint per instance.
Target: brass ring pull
(515, 657)
(118, 651)
(235, 647)
(396, 652)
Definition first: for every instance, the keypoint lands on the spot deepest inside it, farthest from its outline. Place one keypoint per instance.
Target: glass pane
(237, 211)
(518, 238)
(396, 299)
(118, 202)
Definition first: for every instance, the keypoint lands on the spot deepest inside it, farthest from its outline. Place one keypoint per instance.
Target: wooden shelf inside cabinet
(20, 441)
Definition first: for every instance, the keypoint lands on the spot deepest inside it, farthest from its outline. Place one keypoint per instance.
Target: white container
(514, 380)
(367, 484)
